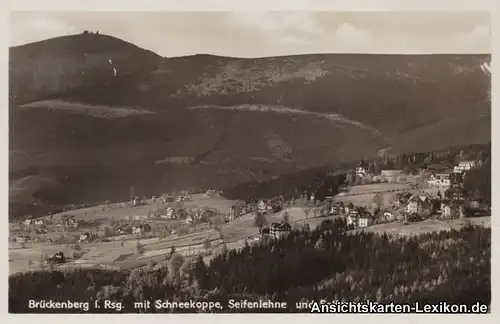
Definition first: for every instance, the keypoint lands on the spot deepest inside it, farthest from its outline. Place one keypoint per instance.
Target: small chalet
(350, 207)
(22, 239)
(336, 210)
(456, 193)
(421, 205)
(456, 179)
(143, 228)
(71, 222)
(441, 180)
(123, 230)
(262, 207)
(140, 217)
(439, 168)
(391, 175)
(28, 222)
(85, 237)
(450, 208)
(361, 171)
(189, 220)
(353, 216)
(170, 214)
(167, 199)
(464, 166)
(210, 193)
(402, 199)
(389, 217)
(39, 222)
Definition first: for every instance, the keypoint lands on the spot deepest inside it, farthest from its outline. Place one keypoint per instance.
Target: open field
(363, 195)
(122, 210)
(243, 227)
(426, 226)
(112, 253)
(376, 187)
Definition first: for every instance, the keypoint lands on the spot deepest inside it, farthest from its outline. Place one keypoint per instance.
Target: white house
(261, 206)
(364, 221)
(421, 205)
(170, 214)
(389, 217)
(279, 230)
(140, 217)
(20, 239)
(352, 218)
(189, 220)
(464, 166)
(361, 171)
(84, 237)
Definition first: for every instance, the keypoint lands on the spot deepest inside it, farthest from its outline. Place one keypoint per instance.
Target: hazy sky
(254, 34)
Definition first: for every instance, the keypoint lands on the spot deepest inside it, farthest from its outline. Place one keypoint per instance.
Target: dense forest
(328, 263)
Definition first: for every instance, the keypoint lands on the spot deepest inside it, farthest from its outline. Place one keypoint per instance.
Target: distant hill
(97, 114)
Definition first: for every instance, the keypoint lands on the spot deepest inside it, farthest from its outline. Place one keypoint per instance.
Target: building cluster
(276, 230)
(263, 206)
(125, 229)
(390, 176)
(269, 206)
(355, 216)
(451, 176)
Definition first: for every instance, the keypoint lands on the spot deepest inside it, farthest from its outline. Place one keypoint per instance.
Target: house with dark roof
(450, 208)
(421, 205)
(357, 213)
(279, 230)
(456, 193)
(402, 199)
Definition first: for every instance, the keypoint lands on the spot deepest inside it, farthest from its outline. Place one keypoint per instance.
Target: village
(435, 193)
(201, 222)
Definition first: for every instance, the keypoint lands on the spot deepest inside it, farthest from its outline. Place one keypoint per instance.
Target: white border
(253, 5)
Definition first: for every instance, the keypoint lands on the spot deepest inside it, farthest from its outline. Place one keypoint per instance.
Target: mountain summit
(54, 66)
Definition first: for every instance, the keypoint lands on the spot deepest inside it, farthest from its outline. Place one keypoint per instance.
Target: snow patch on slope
(290, 111)
(486, 68)
(98, 111)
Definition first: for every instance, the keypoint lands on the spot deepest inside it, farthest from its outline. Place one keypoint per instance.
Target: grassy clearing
(376, 187)
(426, 226)
(98, 111)
(363, 195)
(113, 254)
(122, 210)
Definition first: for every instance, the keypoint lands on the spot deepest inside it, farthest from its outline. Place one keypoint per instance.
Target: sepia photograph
(249, 162)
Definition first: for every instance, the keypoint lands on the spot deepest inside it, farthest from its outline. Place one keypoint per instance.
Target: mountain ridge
(214, 121)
